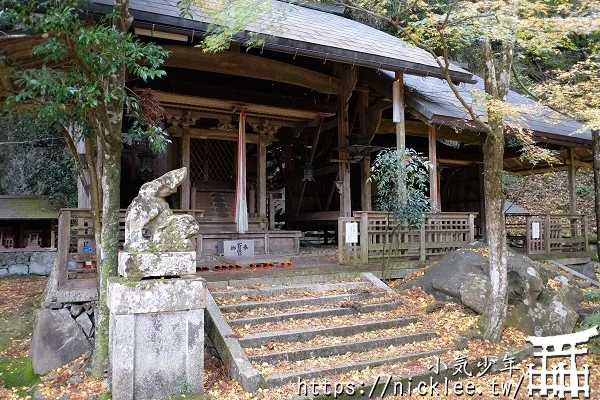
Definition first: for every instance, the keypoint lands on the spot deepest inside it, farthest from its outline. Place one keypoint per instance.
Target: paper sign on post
(535, 230)
(351, 232)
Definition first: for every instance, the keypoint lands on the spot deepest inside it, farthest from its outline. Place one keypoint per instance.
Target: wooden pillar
(261, 178)
(365, 168)
(185, 162)
(399, 119)
(365, 187)
(271, 211)
(348, 78)
(482, 200)
(572, 198)
(434, 191)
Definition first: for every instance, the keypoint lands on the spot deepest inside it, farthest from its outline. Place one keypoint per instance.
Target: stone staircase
(271, 335)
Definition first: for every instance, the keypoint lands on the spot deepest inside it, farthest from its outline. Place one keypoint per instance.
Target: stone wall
(26, 262)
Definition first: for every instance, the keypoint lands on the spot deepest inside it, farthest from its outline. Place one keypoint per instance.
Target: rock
(55, 305)
(473, 293)
(87, 306)
(583, 284)
(37, 395)
(3, 271)
(83, 320)
(76, 309)
(587, 269)
(469, 266)
(65, 396)
(460, 342)
(22, 258)
(74, 380)
(41, 262)
(562, 279)
(434, 306)
(75, 367)
(18, 269)
(555, 313)
(57, 340)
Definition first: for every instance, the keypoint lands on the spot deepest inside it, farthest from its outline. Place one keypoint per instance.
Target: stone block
(76, 309)
(41, 262)
(56, 340)
(3, 271)
(151, 265)
(155, 295)
(156, 337)
(18, 269)
(84, 321)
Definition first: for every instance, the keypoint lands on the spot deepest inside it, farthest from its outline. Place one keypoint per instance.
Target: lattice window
(220, 156)
(197, 159)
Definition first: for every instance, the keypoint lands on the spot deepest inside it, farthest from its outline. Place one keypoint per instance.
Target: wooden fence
(563, 235)
(77, 245)
(438, 235)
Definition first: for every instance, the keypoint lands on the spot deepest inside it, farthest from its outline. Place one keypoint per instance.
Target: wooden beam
(185, 161)
(243, 64)
(261, 177)
(170, 99)
(572, 183)
(418, 128)
(199, 133)
(348, 78)
(310, 161)
(433, 172)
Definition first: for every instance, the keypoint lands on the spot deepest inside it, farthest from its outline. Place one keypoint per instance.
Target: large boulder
(41, 262)
(554, 313)
(463, 276)
(57, 340)
(587, 269)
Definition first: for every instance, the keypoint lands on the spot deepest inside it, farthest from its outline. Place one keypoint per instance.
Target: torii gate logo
(563, 377)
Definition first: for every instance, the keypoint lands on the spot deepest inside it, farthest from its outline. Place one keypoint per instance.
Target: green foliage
(60, 177)
(584, 191)
(591, 321)
(592, 296)
(592, 238)
(509, 181)
(414, 169)
(97, 52)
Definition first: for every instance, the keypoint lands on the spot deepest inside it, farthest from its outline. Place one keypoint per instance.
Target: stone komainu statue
(150, 211)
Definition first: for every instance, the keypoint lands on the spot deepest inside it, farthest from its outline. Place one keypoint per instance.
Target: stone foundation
(26, 262)
(144, 265)
(156, 339)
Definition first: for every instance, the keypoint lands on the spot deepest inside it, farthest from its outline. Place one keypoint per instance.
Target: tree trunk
(111, 180)
(495, 314)
(596, 150)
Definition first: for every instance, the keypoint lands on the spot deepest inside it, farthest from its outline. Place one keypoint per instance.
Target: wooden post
(185, 161)
(64, 238)
(364, 237)
(341, 243)
(261, 179)
(52, 235)
(528, 234)
(348, 78)
(572, 198)
(271, 211)
(399, 119)
(585, 234)
(471, 228)
(252, 201)
(83, 197)
(482, 204)
(365, 187)
(422, 249)
(547, 234)
(433, 172)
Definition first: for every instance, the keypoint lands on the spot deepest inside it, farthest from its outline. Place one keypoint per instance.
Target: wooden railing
(77, 245)
(438, 235)
(551, 234)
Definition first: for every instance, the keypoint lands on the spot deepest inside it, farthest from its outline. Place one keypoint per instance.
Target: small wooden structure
(27, 223)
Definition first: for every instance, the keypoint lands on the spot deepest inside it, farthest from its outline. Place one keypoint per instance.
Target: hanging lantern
(308, 174)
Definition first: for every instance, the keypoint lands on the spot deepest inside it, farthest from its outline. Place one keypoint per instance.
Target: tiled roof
(433, 98)
(513, 208)
(27, 207)
(301, 30)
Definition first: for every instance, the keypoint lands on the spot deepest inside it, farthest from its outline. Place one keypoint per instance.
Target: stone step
(343, 348)
(283, 379)
(324, 312)
(283, 289)
(287, 303)
(297, 335)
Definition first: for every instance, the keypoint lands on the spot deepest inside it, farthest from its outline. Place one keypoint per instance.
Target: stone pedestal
(156, 338)
(145, 265)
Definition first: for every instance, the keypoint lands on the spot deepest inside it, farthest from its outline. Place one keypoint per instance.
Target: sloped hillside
(548, 193)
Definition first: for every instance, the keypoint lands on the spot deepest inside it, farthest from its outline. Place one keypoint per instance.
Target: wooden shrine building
(317, 96)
